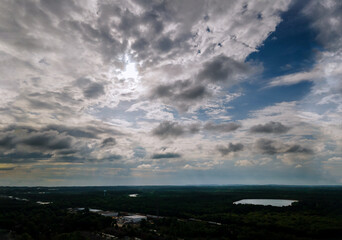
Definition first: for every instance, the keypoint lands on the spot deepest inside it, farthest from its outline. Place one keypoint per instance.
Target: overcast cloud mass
(170, 92)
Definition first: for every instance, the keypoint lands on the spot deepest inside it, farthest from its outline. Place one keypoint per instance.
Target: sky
(190, 92)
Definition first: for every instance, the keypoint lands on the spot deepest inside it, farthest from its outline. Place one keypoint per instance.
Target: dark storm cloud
(168, 129)
(169, 90)
(108, 142)
(182, 93)
(79, 132)
(298, 149)
(224, 150)
(67, 151)
(267, 146)
(94, 90)
(90, 88)
(183, 90)
(193, 93)
(74, 131)
(175, 92)
(69, 158)
(18, 128)
(140, 44)
(85, 159)
(129, 23)
(221, 127)
(270, 127)
(165, 155)
(24, 157)
(153, 19)
(47, 141)
(112, 157)
(222, 69)
(271, 147)
(164, 44)
(194, 128)
(56, 142)
(83, 156)
(7, 142)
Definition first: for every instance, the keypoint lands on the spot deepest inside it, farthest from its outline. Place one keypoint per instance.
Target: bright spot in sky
(130, 71)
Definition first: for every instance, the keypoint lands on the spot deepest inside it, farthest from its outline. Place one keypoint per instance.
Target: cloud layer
(162, 92)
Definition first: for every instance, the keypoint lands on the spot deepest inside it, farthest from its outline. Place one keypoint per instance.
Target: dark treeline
(317, 215)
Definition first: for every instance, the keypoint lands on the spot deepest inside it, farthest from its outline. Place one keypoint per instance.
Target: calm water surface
(267, 202)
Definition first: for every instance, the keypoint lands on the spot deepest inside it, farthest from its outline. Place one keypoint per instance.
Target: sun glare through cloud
(130, 72)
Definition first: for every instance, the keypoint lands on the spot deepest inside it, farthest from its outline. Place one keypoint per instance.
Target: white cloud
(294, 78)
(95, 64)
(244, 163)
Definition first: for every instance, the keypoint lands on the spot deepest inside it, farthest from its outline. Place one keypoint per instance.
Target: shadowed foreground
(172, 213)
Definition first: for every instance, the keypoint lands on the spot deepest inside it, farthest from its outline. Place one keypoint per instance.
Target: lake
(267, 202)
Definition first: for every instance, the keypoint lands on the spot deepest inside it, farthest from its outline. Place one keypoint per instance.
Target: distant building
(154, 216)
(109, 214)
(43, 203)
(134, 218)
(95, 210)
